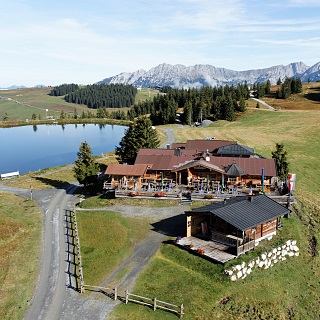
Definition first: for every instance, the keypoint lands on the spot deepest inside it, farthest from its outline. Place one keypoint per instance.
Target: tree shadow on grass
(314, 96)
(58, 184)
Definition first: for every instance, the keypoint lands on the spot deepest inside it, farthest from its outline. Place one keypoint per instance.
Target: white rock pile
(265, 261)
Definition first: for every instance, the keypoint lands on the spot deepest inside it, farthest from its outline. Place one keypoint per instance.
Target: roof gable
(194, 163)
(234, 171)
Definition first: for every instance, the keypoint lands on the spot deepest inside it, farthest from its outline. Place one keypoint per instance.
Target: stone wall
(265, 261)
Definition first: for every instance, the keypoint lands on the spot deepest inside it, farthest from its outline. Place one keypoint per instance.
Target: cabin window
(213, 176)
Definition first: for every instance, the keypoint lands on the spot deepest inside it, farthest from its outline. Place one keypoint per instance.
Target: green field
(25, 102)
(118, 236)
(20, 240)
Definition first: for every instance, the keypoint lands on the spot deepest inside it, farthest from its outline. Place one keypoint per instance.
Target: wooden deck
(212, 249)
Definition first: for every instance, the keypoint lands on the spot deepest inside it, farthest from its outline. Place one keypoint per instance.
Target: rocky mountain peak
(180, 76)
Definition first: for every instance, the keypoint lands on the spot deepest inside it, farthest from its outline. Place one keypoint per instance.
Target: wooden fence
(77, 245)
(154, 303)
(245, 247)
(108, 291)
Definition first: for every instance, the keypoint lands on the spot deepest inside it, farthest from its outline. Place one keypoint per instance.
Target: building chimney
(207, 156)
(250, 198)
(177, 152)
(224, 201)
(168, 146)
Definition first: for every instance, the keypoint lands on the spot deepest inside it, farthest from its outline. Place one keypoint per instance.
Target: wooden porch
(212, 249)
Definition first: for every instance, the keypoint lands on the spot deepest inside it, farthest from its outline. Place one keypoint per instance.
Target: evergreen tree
(242, 105)
(268, 87)
(75, 114)
(62, 115)
(85, 167)
(280, 156)
(140, 135)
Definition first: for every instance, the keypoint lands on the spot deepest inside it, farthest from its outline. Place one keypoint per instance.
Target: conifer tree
(140, 135)
(280, 156)
(85, 167)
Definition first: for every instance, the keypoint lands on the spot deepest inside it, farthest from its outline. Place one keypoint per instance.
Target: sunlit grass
(20, 239)
(107, 239)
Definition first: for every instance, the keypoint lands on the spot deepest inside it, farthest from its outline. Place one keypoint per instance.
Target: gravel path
(264, 103)
(170, 137)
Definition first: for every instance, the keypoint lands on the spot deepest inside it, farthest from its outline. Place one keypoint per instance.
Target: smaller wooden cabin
(240, 222)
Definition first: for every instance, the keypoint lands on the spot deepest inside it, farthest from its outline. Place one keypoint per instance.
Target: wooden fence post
(127, 292)
(155, 304)
(115, 293)
(181, 311)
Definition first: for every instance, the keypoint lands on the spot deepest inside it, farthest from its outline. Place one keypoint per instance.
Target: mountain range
(180, 76)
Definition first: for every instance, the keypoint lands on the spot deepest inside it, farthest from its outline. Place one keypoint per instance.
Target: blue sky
(85, 41)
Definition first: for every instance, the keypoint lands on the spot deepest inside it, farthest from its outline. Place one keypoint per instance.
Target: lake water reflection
(31, 148)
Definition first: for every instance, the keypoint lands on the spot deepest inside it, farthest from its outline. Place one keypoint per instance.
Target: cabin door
(184, 176)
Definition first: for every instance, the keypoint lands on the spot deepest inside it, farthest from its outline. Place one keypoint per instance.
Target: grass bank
(107, 239)
(20, 239)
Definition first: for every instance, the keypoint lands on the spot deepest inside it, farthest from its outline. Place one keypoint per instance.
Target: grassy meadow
(107, 239)
(24, 102)
(20, 240)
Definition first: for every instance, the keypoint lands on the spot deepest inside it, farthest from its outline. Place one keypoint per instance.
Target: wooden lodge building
(239, 222)
(196, 165)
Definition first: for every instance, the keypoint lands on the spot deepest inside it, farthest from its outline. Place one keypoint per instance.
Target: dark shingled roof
(234, 171)
(242, 213)
(234, 149)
